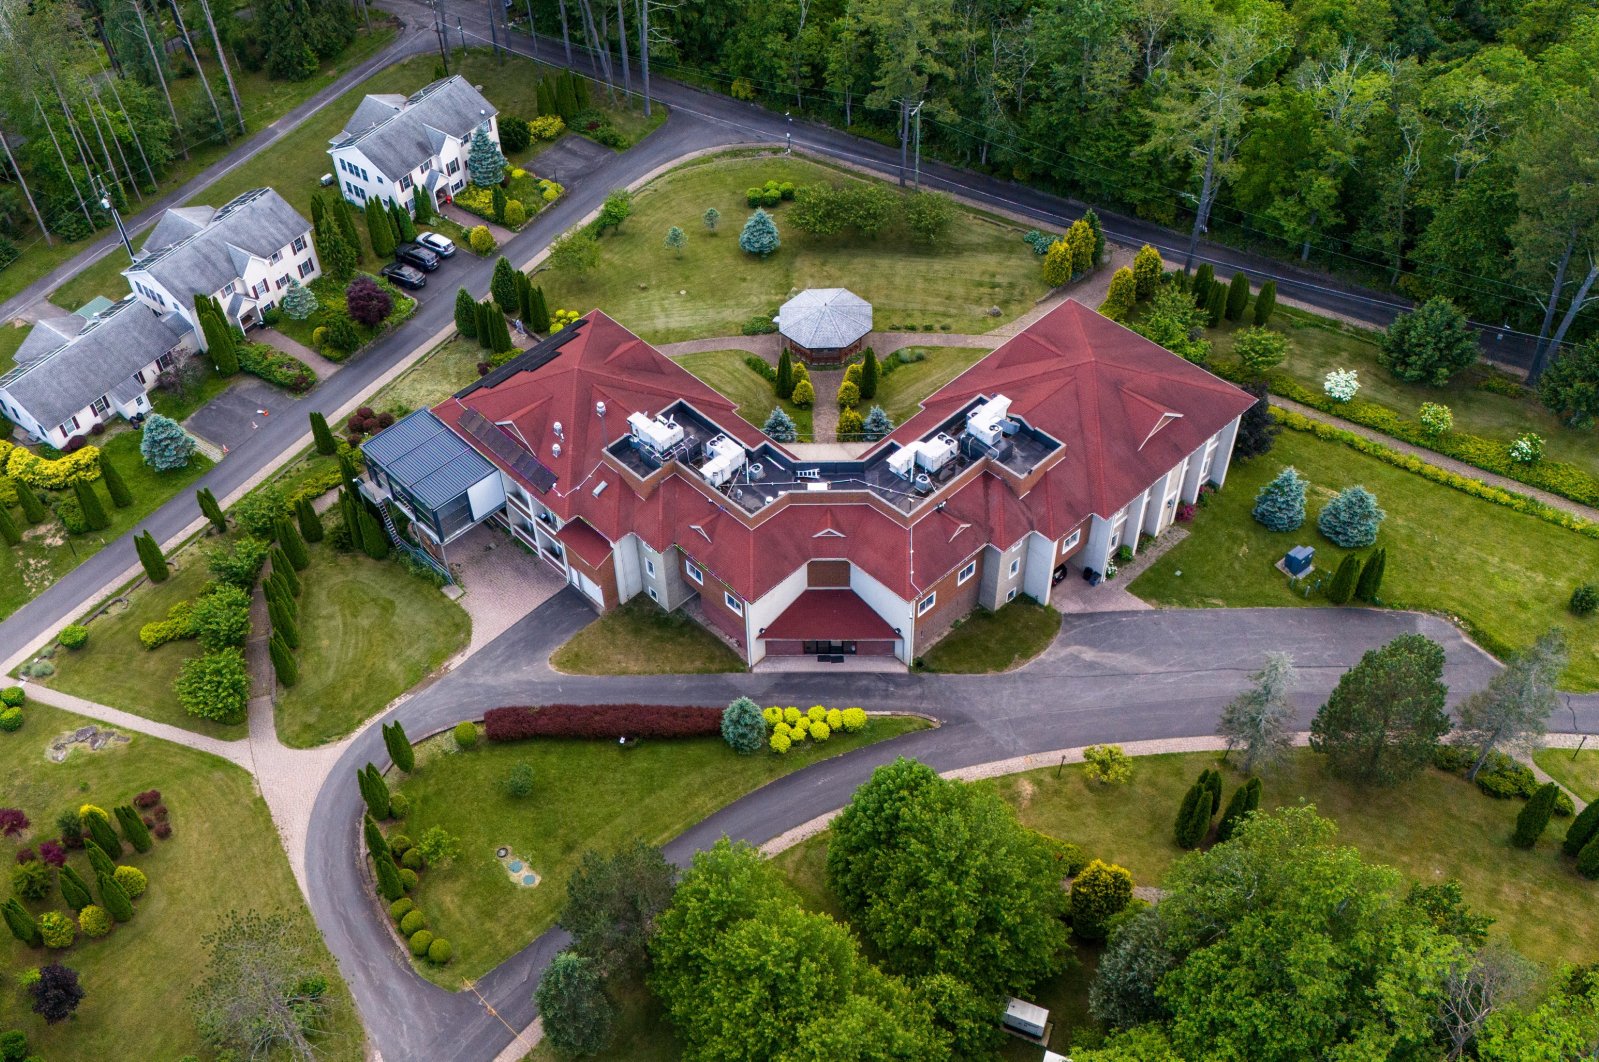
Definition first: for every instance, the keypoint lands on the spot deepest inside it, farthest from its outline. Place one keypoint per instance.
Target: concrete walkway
(319, 365)
(469, 221)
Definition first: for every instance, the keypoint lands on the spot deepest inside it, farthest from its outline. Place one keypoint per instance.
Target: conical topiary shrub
(1342, 586)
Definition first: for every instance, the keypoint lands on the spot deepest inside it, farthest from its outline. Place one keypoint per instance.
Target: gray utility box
(1026, 1019)
(1299, 559)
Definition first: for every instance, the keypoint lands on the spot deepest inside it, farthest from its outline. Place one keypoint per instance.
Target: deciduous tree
(264, 990)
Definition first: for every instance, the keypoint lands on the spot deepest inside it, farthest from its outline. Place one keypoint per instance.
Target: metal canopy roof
(825, 318)
(428, 459)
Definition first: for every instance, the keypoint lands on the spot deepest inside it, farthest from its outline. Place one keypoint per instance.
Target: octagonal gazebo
(824, 326)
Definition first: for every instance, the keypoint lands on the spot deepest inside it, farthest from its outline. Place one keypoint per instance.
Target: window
(654, 596)
(649, 567)
(693, 572)
(1011, 596)
(307, 267)
(1015, 566)
(277, 284)
(165, 361)
(1071, 540)
(732, 602)
(259, 290)
(233, 285)
(100, 406)
(454, 167)
(966, 573)
(139, 376)
(297, 246)
(277, 256)
(927, 603)
(405, 183)
(380, 178)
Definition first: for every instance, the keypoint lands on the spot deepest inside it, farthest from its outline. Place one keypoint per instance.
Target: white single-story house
(395, 144)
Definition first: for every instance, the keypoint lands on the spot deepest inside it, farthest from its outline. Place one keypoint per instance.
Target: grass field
(264, 102)
(115, 669)
(47, 552)
(985, 641)
(137, 979)
(1580, 774)
(446, 369)
(714, 287)
(370, 631)
(1506, 575)
(727, 374)
(901, 392)
(1432, 829)
(641, 639)
(11, 336)
(588, 795)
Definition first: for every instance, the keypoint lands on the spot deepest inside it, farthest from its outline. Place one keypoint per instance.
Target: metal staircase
(414, 551)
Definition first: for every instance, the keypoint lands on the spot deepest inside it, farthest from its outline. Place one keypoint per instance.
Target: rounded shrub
(319, 336)
(411, 922)
(412, 858)
(408, 879)
(835, 719)
(821, 731)
(399, 805)
(480, 239)
(401, 907)
(10, 719)
(440, 952)
(57, 929)
(1587, 866)
(515, 214)
(94, 921)
(12, 697)
(399, 842)
(791, 716)
(1585, 599)
(854, 719)
(132, 880)
(800, 730)
(421, 941)
(752, 197)
(465, 734)
(816, 714)
(780, 743)
(772, 715)
(74, 636)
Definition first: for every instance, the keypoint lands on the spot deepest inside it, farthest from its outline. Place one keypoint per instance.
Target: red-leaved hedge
(600, 721)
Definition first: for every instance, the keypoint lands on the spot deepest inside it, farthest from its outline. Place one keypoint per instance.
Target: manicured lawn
(1506, 575)
(11, 337)
(370, 631)
(1580, 775)
(208, 384)
(137, 979)
(995, 641)
(587, 795)
(901, 392)
(446, 369)
(728, 375)
(264, 102)
(714, 287)
(641, 639)
(115, 669)
(47, 552)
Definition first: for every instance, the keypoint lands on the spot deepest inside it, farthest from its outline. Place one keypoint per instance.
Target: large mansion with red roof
(631, 476)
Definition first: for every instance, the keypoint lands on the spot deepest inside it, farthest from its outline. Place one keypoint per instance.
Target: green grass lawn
(370, 631)
(714, 288)
(1432, 829)
(1506, 575)
(208, 384)
(901, 392)
(994, 641)
(137, 979)
(446, 369)
(331, 301)
(264, 102)
(725, 372)
(639, 638)
(588, 795)
(115, 669)
(47, 552)
(1580, 774)
(11, 336)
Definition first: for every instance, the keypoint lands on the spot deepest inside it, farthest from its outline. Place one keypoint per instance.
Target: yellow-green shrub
(58, 474)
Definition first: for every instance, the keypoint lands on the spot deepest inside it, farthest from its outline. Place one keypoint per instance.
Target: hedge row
(276, 367)
(1410, 463)
(516, 722)
(1556, 477)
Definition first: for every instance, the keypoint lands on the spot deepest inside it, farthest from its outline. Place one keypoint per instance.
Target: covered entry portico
(830, 622)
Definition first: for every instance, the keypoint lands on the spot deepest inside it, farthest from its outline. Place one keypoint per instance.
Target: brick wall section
(715, 609)
(953, 603)
(827, 573)
(605, 575)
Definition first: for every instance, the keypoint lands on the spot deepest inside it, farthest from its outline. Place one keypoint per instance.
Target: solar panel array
(502, 446)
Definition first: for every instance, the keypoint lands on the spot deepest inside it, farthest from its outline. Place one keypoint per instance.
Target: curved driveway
(1108, 677)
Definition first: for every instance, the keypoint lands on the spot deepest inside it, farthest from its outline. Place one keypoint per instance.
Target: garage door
(587, 585)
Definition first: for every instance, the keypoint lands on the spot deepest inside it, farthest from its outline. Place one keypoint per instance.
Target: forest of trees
(91, 95)
(1445, 147)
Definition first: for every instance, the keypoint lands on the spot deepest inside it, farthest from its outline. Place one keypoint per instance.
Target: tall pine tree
(149, 551)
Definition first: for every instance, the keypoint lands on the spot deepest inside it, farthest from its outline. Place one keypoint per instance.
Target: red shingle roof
(835, 615)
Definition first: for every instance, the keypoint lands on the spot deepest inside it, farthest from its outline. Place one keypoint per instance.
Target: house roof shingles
(398, 134)
(1106, 393)
(257, 223)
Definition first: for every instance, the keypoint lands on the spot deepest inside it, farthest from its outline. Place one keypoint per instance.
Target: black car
(417, 255)
(404, 275)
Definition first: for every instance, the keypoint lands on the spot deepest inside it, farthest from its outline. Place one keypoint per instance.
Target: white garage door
(587, 585)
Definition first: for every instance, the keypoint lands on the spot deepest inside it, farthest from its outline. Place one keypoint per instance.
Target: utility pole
(459, 29)
(443, 35)
(116, 217)
(532, 31)
(494, 33)
(917, 114)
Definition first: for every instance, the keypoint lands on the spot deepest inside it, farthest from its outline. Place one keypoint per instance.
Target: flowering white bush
(1341, 385)
(1437, 418)
(1527, 449)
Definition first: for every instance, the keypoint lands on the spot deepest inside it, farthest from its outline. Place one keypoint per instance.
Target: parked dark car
(417, 255)
(404, 275)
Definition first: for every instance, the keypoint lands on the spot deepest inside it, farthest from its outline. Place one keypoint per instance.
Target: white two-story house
(244, 254)
(74, 372)
(394, 145)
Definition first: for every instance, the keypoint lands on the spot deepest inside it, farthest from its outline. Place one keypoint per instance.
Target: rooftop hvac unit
(726, 458)
(659, 434)
(901, 460)
(933, 454)
(986, 422)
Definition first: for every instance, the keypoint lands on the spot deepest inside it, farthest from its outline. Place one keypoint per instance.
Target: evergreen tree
(578, 1015)
(113, 897)
(784, 384)
(149, 551)
(524, 299)
(164, 444)
(1057, 266)
(283, 665)
(1256, 722)
(1147, 269)
(1386, 714)
(565, 97)
(500, 342)
(299, 301)
(870, 374)
(1535, 815)
(73, 888)
(1257, 429)
(32, 507)
(211, 509)
(310, 523)
(388, 877)
(780, 426)
(1280, 505)
(120, 496)
(403, 221)
(288, 536)
(285, 628)
(99, 861)
(322, 435)
(483, 330)
(743, 728)
(1583, 828)
(94, 514)
(1215, 305)
(1193, 817)
(541, 313)
(465, 314)
(502, 286)
(344, 215)
(1351, 519)
(337, 255)
(319, 217)
(1121, 296)
(8, 527)
(1212, 779)
(1370, 584)
(497, 204)
(21, 923)
(760, 236)
(133, 827)
(399, 746)
(1097, 230)
(1245, 799)
(373, 539)
(1204, 280)
(484, 163)
(1265, 303)
(379, 228)
(374, 791)
(1237, 297)
(220, 342)
(877, 424)
(283, 568)
(1343, 581)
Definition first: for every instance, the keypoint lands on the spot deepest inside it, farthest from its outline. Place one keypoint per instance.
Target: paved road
(1109, 677)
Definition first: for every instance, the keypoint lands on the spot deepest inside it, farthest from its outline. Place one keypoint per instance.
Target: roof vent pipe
(559, 434)
(599, 408)
(555, 448)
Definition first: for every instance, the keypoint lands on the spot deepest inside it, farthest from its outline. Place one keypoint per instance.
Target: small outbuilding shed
(824, 326)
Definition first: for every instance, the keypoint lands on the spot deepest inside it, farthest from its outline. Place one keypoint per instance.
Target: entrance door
(828, 648)
(587, 585)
